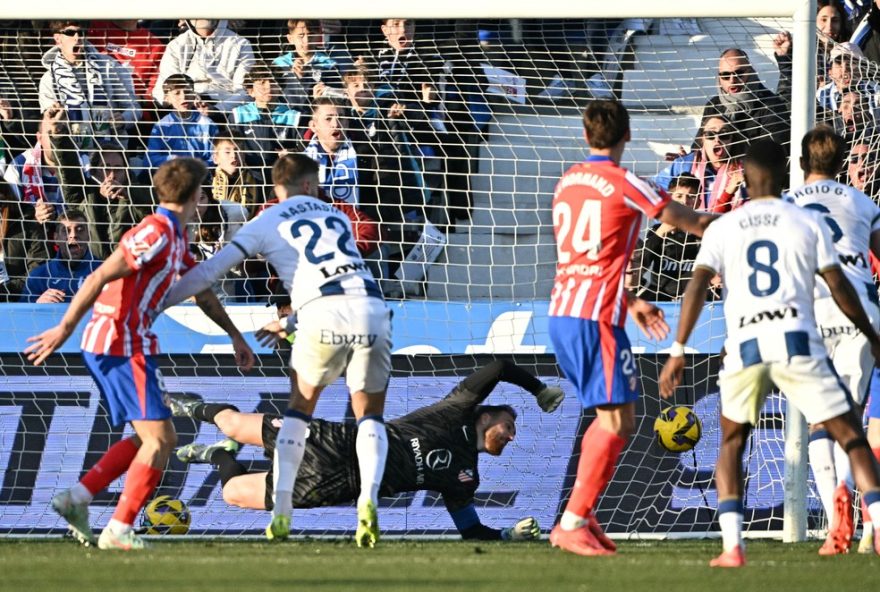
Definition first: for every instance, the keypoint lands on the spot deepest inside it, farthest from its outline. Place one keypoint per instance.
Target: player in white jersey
(768, 253)
(854, 221)
(341, 322)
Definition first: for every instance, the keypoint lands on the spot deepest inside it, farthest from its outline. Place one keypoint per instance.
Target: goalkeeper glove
(526, 529)
(549, 398)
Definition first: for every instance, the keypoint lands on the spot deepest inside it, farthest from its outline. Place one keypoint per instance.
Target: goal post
(484, 296)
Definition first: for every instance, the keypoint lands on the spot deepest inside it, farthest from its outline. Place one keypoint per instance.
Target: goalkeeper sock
(226, 465)
(290, 447)
(108, 468)
(371, 446)
(600, 450)
(140, 483)
(208, 411)
(730, 519)
(842, 468)
(821, 453)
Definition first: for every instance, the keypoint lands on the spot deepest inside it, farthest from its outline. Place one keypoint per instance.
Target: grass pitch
(221, 565)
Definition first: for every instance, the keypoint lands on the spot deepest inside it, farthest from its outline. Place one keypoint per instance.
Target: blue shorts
(132, 387)
(873, 409)
(597, 359)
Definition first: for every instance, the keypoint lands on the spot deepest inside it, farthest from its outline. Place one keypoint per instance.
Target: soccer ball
(165, 515)
(677, 429)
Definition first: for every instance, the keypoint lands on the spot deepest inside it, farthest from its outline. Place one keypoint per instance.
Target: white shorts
(350, 334)
(847, 347)
(808, 383)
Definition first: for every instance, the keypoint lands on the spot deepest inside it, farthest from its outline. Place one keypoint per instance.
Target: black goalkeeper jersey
(433, 448)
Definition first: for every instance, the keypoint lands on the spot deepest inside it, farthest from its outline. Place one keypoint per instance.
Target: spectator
(18, 125)
(104, 194)
(216, 58)
(861, 170)
(97, 92)
(310, 70)
(232, 183)
(136, 48)
(866, 34)
(265, 127)
(58, 279)
(20, 251)
(186, 131)
(392, 187)
(845, 75)
(754, 110)
(715, 164)
(334, 153)
(214, 225)
(854, 115)
(664, 264)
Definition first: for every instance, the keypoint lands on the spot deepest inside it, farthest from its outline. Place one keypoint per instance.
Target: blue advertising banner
(420, 327)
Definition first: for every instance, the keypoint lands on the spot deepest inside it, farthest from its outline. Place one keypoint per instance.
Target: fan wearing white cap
(845, 75)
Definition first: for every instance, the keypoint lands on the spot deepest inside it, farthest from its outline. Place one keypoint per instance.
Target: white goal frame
(803, 109)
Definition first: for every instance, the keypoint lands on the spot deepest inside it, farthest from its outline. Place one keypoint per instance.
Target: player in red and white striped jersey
(597, 216)
(128, 291)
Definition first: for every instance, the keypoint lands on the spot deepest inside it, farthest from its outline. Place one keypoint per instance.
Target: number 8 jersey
(768, 253)
(597, 216)
(324, 260)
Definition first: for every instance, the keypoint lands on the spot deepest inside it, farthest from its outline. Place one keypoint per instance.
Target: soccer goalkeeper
(432, 448)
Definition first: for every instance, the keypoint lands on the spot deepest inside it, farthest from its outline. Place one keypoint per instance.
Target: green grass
(218, 566)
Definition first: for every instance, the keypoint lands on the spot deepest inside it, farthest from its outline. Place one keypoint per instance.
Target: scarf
(68, 90)
(32, 186)
(337, 172)
(712, 195)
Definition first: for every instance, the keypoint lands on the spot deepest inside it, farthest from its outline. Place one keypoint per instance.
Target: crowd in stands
(393, 114)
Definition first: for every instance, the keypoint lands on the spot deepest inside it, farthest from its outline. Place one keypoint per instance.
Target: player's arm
(464, 515)
(42, 345)
(474, 389)
(647, 316)
(213, 309)
(201, 277)
(686, 219)
(694, 298)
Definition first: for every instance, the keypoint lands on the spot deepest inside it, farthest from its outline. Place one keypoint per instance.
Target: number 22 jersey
(768, 253)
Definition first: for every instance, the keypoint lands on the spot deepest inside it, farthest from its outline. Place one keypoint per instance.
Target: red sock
(876, 452)
(140, 483)
(114, 462)
(599, 453)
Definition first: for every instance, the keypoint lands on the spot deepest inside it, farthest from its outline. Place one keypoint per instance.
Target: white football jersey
(851, 216)
(768, 253)
(311, 245)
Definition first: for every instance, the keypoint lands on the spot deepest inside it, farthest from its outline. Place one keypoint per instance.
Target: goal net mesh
(454, 166)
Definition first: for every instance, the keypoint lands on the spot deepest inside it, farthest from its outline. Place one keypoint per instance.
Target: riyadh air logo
(439, 460)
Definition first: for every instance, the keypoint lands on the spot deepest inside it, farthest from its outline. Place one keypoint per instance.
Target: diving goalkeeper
(434, 448)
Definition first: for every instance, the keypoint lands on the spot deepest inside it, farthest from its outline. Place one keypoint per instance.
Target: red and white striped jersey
(597, 216)
(157, 251)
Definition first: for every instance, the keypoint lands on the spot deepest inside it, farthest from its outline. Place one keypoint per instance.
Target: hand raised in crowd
(203, 107)
(53, 119)
(318, 90)
(44, 212)
(298, 67)
(664, 229)
(429, 93)
(110, 189)
(5, 110)
(782, 44)
(396, 111)
(734, 181)
(670, 156)
(51, 296)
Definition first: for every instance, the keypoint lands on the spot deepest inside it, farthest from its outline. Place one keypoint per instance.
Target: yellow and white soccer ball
(165, 515)
(677, 429)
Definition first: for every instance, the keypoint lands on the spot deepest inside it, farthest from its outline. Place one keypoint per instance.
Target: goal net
(454, 166)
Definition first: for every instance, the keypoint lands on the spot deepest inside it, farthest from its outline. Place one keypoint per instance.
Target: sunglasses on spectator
(72, 32)
(721, 134)
(739, 74)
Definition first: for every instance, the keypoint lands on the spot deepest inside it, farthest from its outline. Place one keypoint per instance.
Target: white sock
(874, 513)
(571, 521)
(731, 530)
(821, 452)
(290, 446)
(117, 527)
(80, 494)
(842, 468)
(371, 446)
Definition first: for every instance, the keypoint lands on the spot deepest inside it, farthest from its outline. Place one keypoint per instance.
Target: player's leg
(872, 412)
(183, 405)
(742, 396)
(245, 490)
(597, 359)
(367, 374)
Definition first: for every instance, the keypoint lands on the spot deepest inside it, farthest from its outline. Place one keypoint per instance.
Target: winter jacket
(173, 136)
(60, 275)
